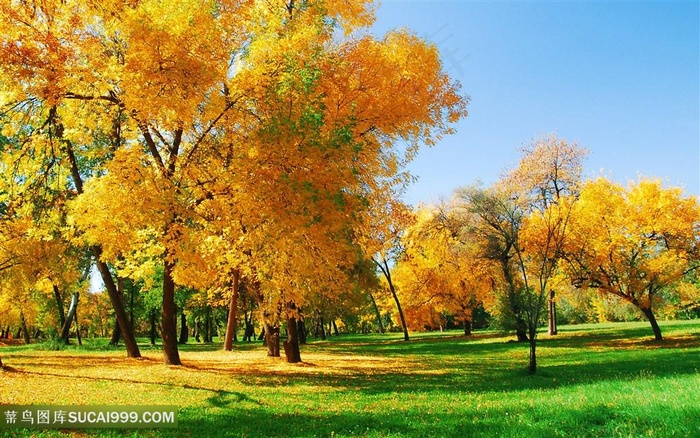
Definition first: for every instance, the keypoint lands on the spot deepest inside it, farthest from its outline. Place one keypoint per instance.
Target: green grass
(607, 380)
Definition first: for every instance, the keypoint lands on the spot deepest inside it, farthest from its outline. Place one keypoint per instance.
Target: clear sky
(620, 78)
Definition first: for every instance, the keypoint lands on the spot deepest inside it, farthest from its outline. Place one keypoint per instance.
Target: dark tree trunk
(387, 274)
(184, 332)
(521, 329)
(335, 328)
(552, 314)
(132, 348)
(467, 327)
(25, 332)
(379, 315)
(65, 330)
(301, 331)
(654, 325)
(153, 319)
(0, 362)
(232, 307)
(291, 345)
(533, 354)
(59, 305)
(171, 355)
(116, 334)
(208, 326)
(322, 328)
(249, 328)
(272, 340)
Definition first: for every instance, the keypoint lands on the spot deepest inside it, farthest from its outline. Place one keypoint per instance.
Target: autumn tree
(633, 242)
(549, 169)
(160, 110)
(440, 272)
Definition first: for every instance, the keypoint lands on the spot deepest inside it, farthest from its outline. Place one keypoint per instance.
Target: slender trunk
(323, 329)
(65, 330)
(387, 274)
(291, 345)
(654, 325)
(25, 332)
(533, 354)
(153, 318)
(59, 305)
(552, 314)
(335, 328)
(77, 328)
(131, 307)
(132, 348)
(183, 328)
(208, 329)
(232, 307)
(171, 356)
(376, 311)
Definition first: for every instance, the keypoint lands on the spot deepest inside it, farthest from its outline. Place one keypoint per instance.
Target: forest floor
(595, 380)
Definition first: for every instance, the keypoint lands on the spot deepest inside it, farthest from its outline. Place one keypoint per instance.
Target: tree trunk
(116, 334)
(152, 334)
(272, 340)
(301, 331)
(321, 327)
(77, 329)
(521, 329)
(184, 332)
(335, 328)
(533, 354)
(171, 356)
(232, 307)
(376, 311)
(552, 314)
(249, 329)
(65, 330)
(25, 332)
(1, 363)
(467, 327)
(387, 274)
(208, 327)
(59, 305)
(291, 345)
(132, 348)
(652, 320)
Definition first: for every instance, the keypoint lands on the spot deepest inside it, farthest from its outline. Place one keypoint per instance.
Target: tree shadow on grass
(520, 420)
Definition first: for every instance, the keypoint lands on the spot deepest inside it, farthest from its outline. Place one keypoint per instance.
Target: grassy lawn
(593, 380)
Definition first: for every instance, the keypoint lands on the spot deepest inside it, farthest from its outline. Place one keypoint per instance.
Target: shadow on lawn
(591, 421)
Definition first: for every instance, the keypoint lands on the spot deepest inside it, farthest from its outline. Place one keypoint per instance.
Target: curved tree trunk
(231, 321)
(171, 356)
(654, 325)
(132, 348)
(376, 311)
(65, 330)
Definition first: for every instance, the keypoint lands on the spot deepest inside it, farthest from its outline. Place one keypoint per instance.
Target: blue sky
(620, 78)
